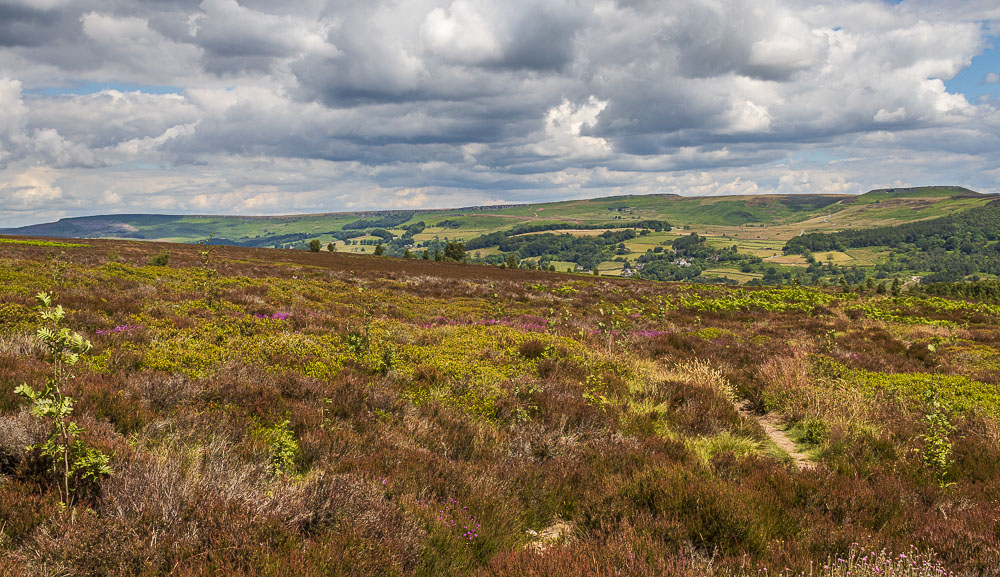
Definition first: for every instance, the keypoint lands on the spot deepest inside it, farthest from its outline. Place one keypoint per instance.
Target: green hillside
(758, 226)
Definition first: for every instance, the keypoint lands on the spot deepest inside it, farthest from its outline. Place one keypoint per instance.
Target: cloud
(32, 189)
(13, 117)
(331, 104)
(461, 33)
(563, 129)
(237, 39)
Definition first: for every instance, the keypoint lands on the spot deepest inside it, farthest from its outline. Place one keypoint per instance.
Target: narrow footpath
(769, 423)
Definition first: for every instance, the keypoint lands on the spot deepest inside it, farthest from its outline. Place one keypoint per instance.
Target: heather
(290, 413)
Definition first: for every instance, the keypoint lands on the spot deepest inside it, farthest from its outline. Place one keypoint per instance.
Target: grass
(315, 414)
(39, 242)
(731, 273)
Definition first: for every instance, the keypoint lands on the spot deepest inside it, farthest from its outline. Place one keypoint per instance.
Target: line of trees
(962, 231)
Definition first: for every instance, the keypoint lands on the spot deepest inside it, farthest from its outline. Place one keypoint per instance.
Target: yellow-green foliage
(14, 317)
(184, 354)
(874, 311)
(21, 278)
(779, 299)
(473, 362)
(49, 243)
(707, 447)
(714, 333)
(914, 310)
(962, 393)
(968, 356)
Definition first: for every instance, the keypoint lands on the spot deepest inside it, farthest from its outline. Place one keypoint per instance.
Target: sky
(263, 107)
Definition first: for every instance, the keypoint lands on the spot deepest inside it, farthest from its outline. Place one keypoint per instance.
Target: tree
(71, 458)
(407, 254)
(378, 250)
(314, 245)
(454, 251)
(512, 260)
(426, 255)
(330, 247)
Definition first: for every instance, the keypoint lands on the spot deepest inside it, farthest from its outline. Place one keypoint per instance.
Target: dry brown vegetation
(328, 414)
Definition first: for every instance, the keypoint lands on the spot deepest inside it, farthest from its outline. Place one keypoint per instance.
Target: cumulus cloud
(563, 130)
(251, 106)
(32, 189)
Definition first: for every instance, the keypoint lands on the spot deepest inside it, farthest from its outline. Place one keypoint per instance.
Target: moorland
(250, 411)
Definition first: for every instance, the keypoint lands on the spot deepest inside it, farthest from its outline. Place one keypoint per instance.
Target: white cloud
(461, 33)
(32, 189)
(884, 115)
(746, 116)
(564, 125)
(129, 49)
(816, 181)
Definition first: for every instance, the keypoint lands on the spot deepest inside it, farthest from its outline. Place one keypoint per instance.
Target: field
(276, 412)
(758, 226)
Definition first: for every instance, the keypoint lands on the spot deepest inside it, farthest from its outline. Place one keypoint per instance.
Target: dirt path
(769, 423)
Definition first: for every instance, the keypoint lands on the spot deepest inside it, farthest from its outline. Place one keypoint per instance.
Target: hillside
(268, 412)
(758, 226)
(950, 247)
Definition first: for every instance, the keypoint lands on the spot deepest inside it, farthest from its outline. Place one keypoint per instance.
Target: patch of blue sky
(95, 87)
(981, 80)
(814, 156)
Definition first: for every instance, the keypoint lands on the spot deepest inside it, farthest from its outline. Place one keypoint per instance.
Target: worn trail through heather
(769, 422)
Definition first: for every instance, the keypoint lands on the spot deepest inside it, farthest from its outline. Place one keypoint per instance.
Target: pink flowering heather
(119, 329)
(882, 563)
(275, 316)
(454, 515)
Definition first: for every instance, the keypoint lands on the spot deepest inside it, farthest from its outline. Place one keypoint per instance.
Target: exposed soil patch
(770, 422)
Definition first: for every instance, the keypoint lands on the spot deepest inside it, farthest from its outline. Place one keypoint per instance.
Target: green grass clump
(769, 300)
(962, 393)
(46, 243)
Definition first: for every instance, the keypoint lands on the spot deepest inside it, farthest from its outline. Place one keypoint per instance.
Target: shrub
(282, 447)
(937, 444)
(160, 259)
(532, 349)
(812, 432)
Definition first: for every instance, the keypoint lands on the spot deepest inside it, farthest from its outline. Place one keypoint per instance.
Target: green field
(756, 225)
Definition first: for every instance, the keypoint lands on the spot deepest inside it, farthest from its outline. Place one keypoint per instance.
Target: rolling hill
(759, 227)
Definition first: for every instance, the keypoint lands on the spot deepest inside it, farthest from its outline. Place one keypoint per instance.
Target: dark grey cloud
(25, 26)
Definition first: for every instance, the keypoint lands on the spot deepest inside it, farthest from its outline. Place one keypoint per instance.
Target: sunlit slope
(775, 217)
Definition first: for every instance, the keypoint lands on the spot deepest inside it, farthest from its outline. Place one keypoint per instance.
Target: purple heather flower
(118, 329)
(275, 316)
